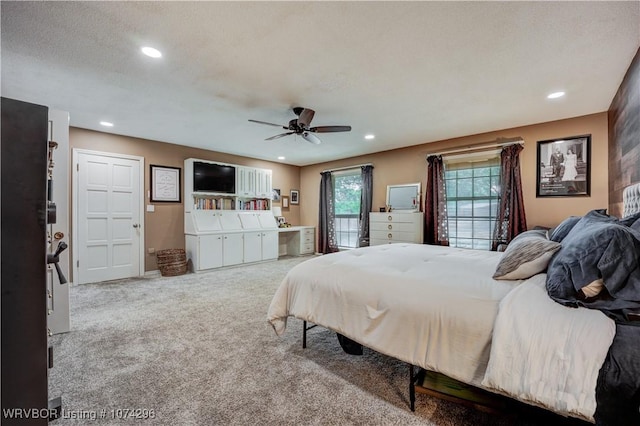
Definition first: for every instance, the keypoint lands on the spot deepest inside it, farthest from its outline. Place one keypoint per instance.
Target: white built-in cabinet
(230, 229)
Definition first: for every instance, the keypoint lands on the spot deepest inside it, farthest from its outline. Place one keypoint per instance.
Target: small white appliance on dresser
(392, 227)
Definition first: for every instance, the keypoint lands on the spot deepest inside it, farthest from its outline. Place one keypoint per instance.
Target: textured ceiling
(409, 72)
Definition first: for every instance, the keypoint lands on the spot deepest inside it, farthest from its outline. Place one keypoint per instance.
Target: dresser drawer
(377, 242)
(395, 217)
(396, 236)
(394, 226)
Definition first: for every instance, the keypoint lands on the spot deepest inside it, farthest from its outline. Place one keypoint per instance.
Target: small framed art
(295, 196)
(165, 184)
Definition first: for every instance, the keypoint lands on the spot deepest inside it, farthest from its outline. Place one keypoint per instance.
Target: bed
(418, 304)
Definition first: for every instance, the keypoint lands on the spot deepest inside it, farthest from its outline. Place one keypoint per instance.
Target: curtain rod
(347, 167)
(495, 144)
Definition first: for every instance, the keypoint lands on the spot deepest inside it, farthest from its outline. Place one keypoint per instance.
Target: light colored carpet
(197, 350)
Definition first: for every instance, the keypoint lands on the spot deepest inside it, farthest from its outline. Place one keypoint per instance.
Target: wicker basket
(172, 262)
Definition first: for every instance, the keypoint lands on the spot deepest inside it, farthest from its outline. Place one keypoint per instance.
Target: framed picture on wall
(295, 196)
(285, 202)
(275, 196)
(165, 184)
(564, 167)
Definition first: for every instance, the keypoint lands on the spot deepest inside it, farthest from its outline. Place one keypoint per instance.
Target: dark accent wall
(624, 136)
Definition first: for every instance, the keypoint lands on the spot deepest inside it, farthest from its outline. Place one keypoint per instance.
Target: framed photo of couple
(564, 167)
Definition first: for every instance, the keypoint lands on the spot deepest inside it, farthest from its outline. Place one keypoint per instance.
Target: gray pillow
(559, 233)
(527, 254)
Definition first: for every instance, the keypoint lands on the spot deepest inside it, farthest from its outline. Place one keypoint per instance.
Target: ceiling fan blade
(329, 129)
(305, 117)
(279, 136)
(268, 124)
(310, 137)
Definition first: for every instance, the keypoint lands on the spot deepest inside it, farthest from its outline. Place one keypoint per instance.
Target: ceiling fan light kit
(300, 126)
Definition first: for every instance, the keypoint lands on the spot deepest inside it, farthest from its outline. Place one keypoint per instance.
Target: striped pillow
(528, 254)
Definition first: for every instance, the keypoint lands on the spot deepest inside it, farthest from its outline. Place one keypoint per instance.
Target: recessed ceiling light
(555, 95)
(281, 158)
(369, 137)
(150, 51)
(106, 124)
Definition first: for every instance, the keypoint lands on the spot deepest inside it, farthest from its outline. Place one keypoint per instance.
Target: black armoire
(24, 241)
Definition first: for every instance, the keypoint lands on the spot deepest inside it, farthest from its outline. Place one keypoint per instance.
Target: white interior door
(109, 225)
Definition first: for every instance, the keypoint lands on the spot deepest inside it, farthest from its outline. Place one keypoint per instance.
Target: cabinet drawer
(395, 217)
(308, 232)
(307, 249)
(394, 226)
(377, 242)
(307, 240)
(395, 236)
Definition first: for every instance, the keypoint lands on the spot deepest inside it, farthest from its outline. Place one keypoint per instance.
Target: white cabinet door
(210, 251)
(245, 182)
(232, 249)
(269, 245)
(263, 183)
(253, 246)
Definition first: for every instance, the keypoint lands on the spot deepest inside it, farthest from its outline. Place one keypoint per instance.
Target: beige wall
(164, 228)
(409, 165)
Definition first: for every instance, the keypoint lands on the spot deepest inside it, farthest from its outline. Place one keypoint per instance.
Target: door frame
(74, 206)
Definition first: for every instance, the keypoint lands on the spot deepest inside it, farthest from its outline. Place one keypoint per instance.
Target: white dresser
(386, 228)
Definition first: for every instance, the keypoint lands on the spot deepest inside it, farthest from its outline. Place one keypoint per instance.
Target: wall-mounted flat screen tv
(210, 177)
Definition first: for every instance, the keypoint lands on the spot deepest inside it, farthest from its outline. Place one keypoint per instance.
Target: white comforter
(430, 306)
(547, 354)
(439, 308)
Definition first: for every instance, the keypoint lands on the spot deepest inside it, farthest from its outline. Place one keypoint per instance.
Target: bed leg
(304, 334)
(412, 388)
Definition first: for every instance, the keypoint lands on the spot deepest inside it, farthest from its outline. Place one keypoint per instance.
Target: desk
(296, 240)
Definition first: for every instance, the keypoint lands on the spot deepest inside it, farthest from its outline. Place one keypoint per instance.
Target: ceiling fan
(300, 126)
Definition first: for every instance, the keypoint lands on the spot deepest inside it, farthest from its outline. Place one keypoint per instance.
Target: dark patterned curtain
(365, 205)
(436, 229)
(511, 219)
(327, 220)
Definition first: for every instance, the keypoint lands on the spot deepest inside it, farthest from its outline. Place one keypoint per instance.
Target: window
(472, 183)
(347, 191)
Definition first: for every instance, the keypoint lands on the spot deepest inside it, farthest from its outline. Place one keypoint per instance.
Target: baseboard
(152, 274)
